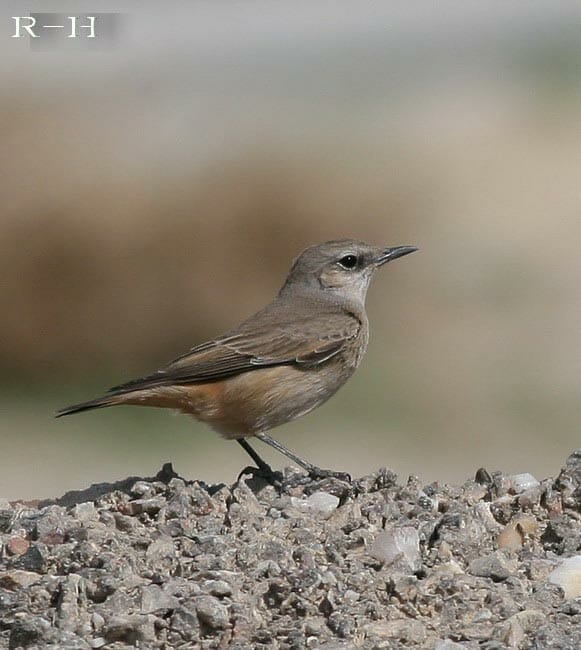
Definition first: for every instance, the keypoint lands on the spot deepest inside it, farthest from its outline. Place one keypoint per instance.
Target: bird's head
(343, 267)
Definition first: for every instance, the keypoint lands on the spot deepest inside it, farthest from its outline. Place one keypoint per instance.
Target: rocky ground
(377, 563)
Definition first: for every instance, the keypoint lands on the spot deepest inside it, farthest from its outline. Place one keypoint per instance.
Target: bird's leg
(255, 457)
(312, 470)
(263, 468)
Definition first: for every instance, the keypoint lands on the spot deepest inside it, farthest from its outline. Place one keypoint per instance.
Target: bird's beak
(393, 253)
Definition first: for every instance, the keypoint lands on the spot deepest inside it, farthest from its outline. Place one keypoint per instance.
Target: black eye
(348, 261)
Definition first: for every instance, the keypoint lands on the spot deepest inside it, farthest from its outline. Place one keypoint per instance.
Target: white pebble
(523, 482)
(568, 576)
(399, 544)
(321, 502)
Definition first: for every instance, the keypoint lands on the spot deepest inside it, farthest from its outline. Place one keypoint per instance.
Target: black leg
(255, 457)
(312, 470)
(264, 469)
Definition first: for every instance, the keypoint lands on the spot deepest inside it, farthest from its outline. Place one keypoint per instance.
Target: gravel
(378, 563)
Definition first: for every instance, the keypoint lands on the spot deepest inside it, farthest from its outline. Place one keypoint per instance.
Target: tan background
(154, 195)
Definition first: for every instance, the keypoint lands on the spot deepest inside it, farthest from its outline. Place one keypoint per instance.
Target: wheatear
(281, 363)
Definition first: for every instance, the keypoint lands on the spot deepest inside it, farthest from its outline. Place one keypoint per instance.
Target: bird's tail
(98, 403)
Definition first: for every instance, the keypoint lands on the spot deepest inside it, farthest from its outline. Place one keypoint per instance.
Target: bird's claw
(264, 472)
(317, 474)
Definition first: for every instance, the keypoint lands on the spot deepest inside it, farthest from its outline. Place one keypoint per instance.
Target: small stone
(520, 625)
(527, 524)
(135, 630)
(17, 545)
(155, 601)
(6, 520)
(405, 588)
(85, 512)
(97, 621)
(149, 506)
(399, 546)
(268, 569)
(315, 626)
(475, 492)
(482, 616)
(52, 518)
(522, 482)
(350, 597)
(125, 523)
(483, 476)
(447, 644)
(185, 622)
(176, 484)
(567, 575)
(328, 578)
(494, 566)
(407, 631)
(539, 569)
(530, 498)
(212, 614)
(445, 551)
(201, 502)
(513, 535)
(30, 631)
(444, 571)
(571, 607)
(341, 624)
(143, 490)
(53, 537)
(502, 484)
(219, 588)
(245, 498)
(161, 554)
(551, 499)
(510, 538)
(18, 579)
(323, 503)
(71, 606)
(569, 481)
(34, 559)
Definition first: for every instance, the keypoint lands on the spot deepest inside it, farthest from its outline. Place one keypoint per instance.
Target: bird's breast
(263, 399)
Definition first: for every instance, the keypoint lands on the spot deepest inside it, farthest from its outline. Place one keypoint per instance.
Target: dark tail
(117, 395)
(98, 403)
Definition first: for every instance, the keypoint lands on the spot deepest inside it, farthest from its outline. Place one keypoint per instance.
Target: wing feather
(306, 342)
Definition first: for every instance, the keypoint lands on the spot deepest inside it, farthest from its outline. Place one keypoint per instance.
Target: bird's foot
(316, 473)
(264, 472)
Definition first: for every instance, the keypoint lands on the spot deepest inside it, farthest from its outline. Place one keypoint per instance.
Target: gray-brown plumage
(281, 363)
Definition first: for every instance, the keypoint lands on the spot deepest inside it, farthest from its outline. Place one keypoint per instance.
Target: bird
(279, 364)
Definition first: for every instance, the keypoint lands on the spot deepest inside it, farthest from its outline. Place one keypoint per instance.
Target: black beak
(393, 253)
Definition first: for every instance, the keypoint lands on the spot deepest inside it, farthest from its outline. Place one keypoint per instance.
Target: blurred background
(154, 193)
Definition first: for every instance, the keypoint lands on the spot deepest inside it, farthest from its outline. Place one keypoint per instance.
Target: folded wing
(306, 342)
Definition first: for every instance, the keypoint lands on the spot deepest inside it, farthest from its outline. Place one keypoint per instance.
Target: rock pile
(165, 563)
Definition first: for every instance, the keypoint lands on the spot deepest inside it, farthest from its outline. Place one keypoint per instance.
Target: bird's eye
(348, 262)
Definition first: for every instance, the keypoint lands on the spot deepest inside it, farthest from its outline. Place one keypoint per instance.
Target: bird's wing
(308, 341)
